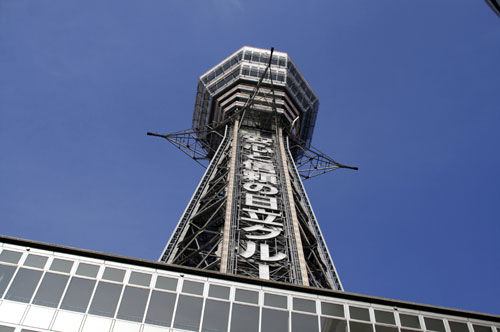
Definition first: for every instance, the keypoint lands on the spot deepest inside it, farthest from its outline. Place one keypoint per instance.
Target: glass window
(274, 320)
(434, 324)
(333, 325)
(274, 300)
(141, 279)
(166, 283)
(6, 328)
(458, 327)
(105, 299)
(244, 318)
(35, 261)
(133, 304)
(220, 292)
(161, 308)
(24, 285)
(385, 317)
(360, 327)
(61, 265)
(359, 313)
(192, 287)
(10, 256)
(481, 328)
(51, 289)
(77, 296)
(301, 322)
(188, 313)
(6, 273)
(409, 321)
(87, 270)
(304, 305)
(247, 296)
(113, 274)
(383, 328)
(332, 309)
(215, 316)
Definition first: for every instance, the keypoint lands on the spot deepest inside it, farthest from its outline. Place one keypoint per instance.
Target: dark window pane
(382, 328)
(244, 318)
(51, 289)
(87, 270)
(105, 299)
(113, 274)
(188, 313)
(161, 308)
(61, 265)
(141, 279)
(481, 328)
(192, 287)
(332, 309)
(360, 327)
(333, 325)
(274, 320)
(247, 296)
(359, 313)
(434, 324)
(301, 322)
(220, 292)
(6, 273)
(133, 304)
(409, 321)
(6, 328)
(166, 283)
(10, 256)
(77, 296)
(386, 317)
(304, 305)
(215, 316)
(24, 285)
(273, 300)
(35, 261)
(458, 327)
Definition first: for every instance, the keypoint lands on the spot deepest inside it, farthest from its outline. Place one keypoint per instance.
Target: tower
(253, 123)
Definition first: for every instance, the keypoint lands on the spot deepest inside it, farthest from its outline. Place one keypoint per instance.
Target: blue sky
(408, 92)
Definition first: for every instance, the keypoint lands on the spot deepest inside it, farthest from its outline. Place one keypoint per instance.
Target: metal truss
(320, 267)
(196, 241)
(188, 141)
(312, 162)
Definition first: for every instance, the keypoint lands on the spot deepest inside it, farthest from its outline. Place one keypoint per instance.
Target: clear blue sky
(409, 92)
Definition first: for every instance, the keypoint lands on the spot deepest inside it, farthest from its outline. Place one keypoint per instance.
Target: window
(409, 321)
(332, 309)
(6, 273)
(385, 317)
(188, 313)
(35, 261)
(304, 305)
(434, 324)
(360, 327)
(166, 283)
(51, 289)
(113, 274)
(215, 317)
(161, 308)
(24, 285)
(244, 318)
(458, 327)
(247, 296)
(133, 304)
(333, 325)
(274, 320)
(10, 256)
(192, 287)
(87, 270)
(141, 279)
(219, 292)
(301, 322)
(105, 299)
(359, 313)
(77, 296)
(273, 300)
(61, 265)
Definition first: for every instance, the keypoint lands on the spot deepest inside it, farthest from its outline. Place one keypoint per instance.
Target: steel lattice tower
(250, 215)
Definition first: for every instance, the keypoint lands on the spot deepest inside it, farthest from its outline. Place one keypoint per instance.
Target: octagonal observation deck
(228, 86)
